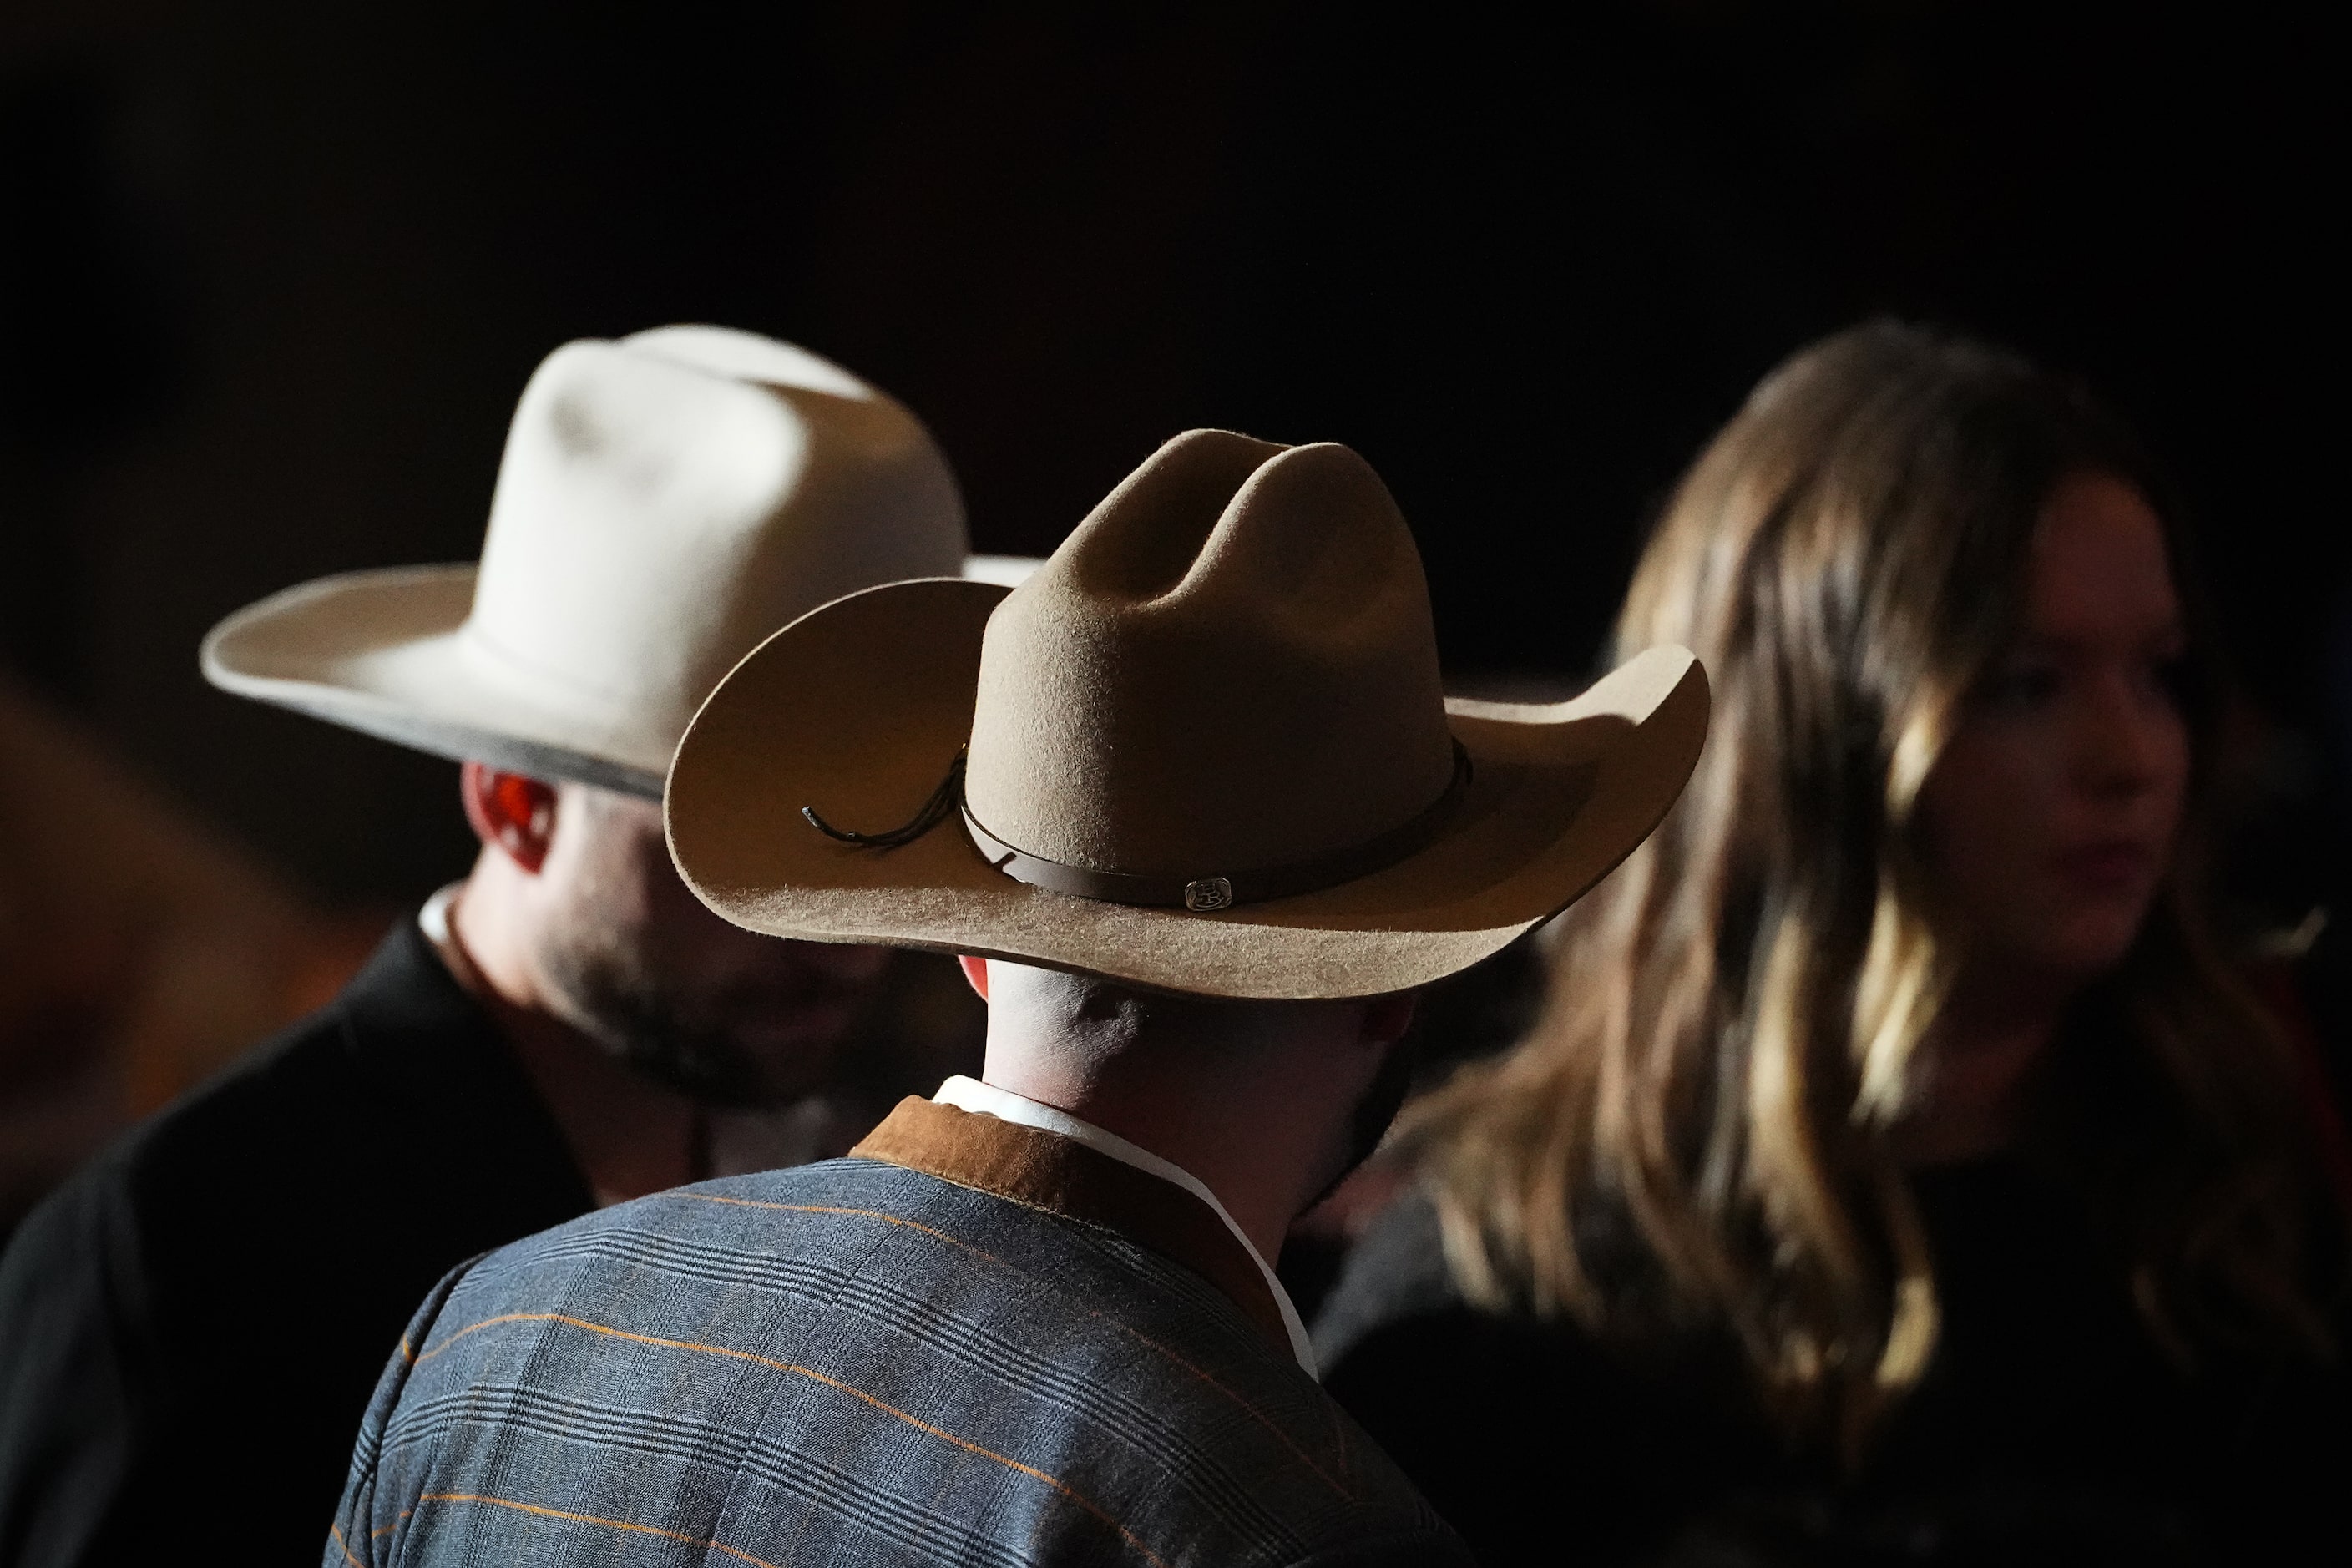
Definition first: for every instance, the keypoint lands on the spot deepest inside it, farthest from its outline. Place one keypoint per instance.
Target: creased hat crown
(668, 500)
(1229, 665)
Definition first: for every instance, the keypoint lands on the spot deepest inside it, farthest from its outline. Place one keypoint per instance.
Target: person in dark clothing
(365, 1150)
(567, 1028)
(1896, 1175)
(2049, 1426)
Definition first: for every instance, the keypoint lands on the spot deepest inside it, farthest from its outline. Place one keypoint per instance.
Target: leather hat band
(1209, 893)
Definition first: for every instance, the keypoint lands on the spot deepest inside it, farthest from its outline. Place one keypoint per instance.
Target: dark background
(272, 277)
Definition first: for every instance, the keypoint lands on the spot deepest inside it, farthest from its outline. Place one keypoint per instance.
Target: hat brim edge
(228, 662)
(1660, 693)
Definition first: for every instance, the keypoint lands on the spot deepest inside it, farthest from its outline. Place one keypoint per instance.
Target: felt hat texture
(665, 501)
(1226, 677)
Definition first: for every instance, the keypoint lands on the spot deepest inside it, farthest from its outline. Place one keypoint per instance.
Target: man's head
(1203, 751)
(575, 891)
(665, 502)
(1332, 1071)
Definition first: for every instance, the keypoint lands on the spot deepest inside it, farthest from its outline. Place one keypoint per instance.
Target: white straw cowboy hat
(1204, 749)
(665, 501)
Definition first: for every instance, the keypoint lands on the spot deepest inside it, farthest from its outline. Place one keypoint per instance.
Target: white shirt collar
(987, 1100)
(433, 918)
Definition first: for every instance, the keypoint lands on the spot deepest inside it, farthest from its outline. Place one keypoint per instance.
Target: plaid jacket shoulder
(856, 1363)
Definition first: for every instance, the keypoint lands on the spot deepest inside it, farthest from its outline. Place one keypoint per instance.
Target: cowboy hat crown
(665, 502)
(1204, 749)
(1246, 672)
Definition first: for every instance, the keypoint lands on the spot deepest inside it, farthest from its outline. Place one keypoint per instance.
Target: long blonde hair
(1733, 1017)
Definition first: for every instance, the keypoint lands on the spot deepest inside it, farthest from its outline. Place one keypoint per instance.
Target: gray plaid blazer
(971, 1341)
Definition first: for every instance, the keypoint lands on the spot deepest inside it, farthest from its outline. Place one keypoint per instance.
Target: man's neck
(629, 1135)
(1245, 1147)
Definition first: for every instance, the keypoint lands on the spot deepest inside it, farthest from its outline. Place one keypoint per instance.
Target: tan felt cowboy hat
(1203, 749)
(665, 501)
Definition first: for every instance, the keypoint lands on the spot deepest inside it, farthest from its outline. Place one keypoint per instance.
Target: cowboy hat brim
(383, 652)
(858, 708)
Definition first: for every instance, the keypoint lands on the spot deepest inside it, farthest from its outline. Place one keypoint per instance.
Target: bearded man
(566, 1029)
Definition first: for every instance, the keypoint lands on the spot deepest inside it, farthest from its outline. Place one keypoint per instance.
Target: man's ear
(511, 812)
(1386, 1018)
(975, 973)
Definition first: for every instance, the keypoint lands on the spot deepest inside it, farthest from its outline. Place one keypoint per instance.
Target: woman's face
(2052, 812)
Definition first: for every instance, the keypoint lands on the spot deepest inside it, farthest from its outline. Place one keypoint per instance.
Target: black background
(272, 277)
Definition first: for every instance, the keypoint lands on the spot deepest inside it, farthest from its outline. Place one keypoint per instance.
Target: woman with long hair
(1896, 1170)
